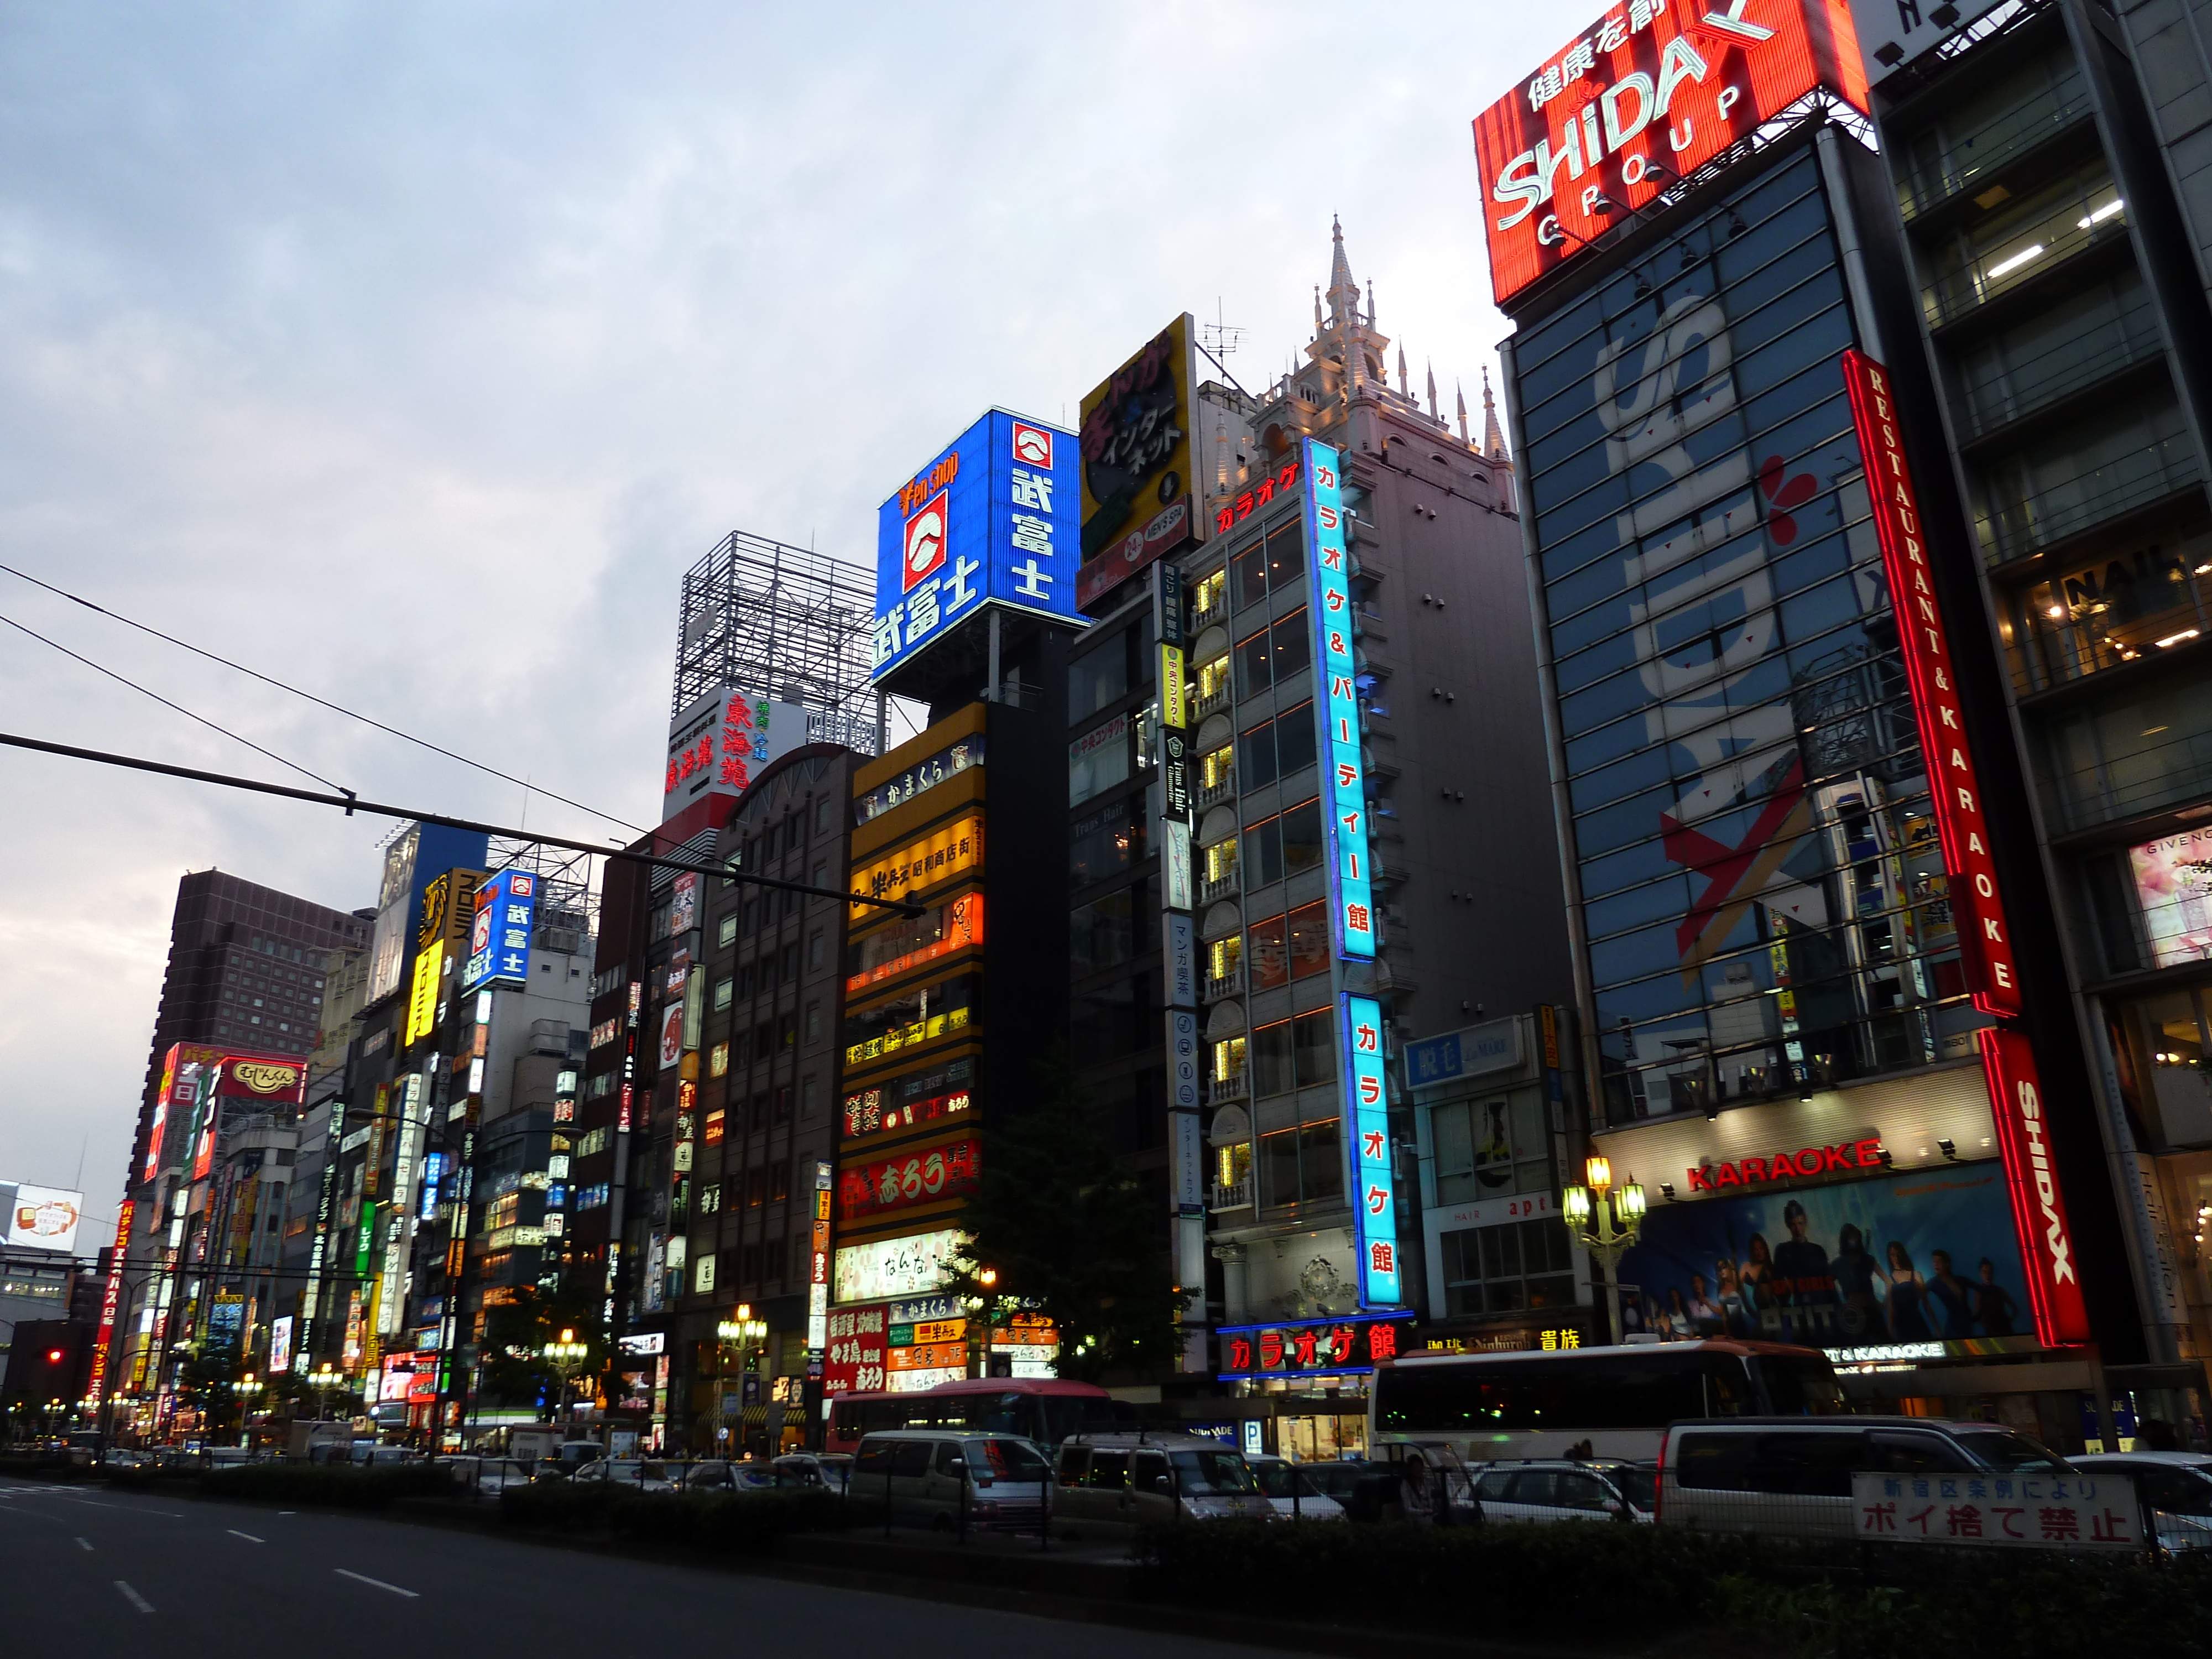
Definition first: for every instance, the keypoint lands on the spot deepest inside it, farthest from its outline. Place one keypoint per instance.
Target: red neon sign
(2039, 1209)
(1842, 1158)
(110, 1298)
(1650, 93)
(1954, 789)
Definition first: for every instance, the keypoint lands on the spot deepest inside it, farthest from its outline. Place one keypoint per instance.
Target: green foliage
(742, 1522)
(1066, 1231)
(1565, 1583)
(515, 1334)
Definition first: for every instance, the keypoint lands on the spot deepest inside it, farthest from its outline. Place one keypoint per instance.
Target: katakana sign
(1327, 1346)
(1344, 788)
(1374, 1186)
(993, 520)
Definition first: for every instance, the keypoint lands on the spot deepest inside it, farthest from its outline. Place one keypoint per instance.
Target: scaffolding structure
(785, 623)
(567, 888)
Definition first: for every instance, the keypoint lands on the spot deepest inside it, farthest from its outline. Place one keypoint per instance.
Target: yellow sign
(1139, 460)
(940, 1330)
(264, 1077)
(423, 994)
(1175, 710)
(939, 855)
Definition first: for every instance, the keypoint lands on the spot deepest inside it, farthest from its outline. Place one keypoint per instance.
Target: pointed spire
(1343, 292)
(1404, 389)
(1433, 416)
(1371, 302)
(1461, 392)
(1317, 323)
(1493, 439)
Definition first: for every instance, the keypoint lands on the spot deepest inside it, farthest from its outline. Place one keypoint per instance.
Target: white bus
(1592, 1402)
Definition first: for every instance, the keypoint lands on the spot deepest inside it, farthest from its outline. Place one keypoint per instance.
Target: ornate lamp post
(567, 1357)
(745, 1333)
(1607, 1219)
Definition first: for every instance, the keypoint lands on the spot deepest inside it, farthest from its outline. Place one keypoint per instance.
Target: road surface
(94, 1573)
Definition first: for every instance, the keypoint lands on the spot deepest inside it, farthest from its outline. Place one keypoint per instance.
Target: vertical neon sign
(1350, 883)
(1375, 1198)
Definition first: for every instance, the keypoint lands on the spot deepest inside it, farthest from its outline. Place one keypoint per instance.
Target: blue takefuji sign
(498, 938)
(993, 520)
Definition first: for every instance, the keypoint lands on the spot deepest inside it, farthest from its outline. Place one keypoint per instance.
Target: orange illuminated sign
(919, 864)
(1639, 100)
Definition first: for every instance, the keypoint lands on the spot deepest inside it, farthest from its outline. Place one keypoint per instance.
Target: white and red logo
(1032, 445)
(925, 539)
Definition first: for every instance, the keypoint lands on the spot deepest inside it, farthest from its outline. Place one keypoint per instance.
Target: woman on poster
(1908, 1298)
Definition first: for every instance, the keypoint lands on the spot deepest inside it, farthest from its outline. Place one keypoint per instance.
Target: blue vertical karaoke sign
(1346, 788)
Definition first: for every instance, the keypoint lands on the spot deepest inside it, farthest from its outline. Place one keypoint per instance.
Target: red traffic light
(53, 1356)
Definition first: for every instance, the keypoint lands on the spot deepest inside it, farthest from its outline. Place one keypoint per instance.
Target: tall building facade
(2046, 175)
(1827, 1017)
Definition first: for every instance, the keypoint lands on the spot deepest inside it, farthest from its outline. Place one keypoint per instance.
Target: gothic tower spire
(1493, 439)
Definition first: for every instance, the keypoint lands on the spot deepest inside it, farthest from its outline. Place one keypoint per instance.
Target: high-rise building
(1822, 995)
(1290, 750)
(2046, 171)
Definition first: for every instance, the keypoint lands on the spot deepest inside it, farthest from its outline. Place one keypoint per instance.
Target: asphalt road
(93, 1573)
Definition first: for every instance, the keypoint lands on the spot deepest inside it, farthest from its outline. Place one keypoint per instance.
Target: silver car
(1558, 1489)
(2175, 1487)
(1128, 1480)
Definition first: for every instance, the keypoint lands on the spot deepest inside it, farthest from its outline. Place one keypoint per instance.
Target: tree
(515, 1334)
(1057, 1227)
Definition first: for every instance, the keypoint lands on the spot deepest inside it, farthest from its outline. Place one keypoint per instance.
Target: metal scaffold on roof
(786, 620)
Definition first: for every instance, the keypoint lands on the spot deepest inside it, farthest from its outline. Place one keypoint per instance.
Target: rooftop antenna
(1218, 337)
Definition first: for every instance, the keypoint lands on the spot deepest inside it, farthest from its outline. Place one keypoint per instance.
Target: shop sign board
(720, 740)
(1955, 788)
(1351, 874)
(884, 1268)
(1846, 1157)
(1637, 102)
(1475, 1051)
(506, 909)
(817, 1272)
(2077, 1512)
(1927, 1256)
(901, 1180)
(854, 1350)
(1374, 1177)
(991, 521)
(1139, 462)
(923, 863)
(1313, 1347)
(110, 1297)
(2038, 1207)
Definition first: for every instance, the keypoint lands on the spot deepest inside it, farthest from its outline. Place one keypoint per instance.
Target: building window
(1224, 956)
(1293, 1053)
(1209, 591)
(1304, 1165)
(723, 987)
(718, 1060)
(806, 1096)
(1284, 845)
(1517, 1267)
(1271, 566)
(727, 935)
(783, 1103)
(814, 949)
(1491, 1148)
(1277, 748)
(1273, 653)
(813, 1021)
(1229, 1059)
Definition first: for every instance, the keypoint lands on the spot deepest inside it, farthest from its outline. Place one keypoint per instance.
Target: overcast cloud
(411, 352)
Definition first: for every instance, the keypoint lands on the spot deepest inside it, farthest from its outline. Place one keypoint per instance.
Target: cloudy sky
(410, 352)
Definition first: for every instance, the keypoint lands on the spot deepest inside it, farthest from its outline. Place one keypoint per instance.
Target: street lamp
(567, 1357)
(322, 1380)
(745, 1333)
(1606, 1218)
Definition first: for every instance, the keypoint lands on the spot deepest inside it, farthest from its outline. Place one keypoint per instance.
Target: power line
(324, 703)
(165, 703)
(351, 803)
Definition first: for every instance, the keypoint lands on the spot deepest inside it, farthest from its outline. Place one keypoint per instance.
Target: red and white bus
(1041, 1410)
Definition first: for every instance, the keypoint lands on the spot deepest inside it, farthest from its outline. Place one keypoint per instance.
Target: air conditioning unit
(562, 941)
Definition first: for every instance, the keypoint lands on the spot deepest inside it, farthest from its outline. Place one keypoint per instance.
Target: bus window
(1799, 1385)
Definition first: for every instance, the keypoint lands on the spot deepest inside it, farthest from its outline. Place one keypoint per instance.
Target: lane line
(84, 1543)
(247, 1536)
(134, 1598)
(363, 1577)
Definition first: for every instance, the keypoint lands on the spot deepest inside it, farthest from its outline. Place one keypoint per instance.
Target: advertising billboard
(422, 853)
(2172, 877)
(2038, 1207)
(422, 994)
(1635, 103)
(1382, 1284)
(111, 1300)
(505, 910)
(991, 521)
(41, 1217)
(899, 1181)
(853, 1360)
(1140, 482)
(722, 739)
(1892, 1260)
(885, 1267)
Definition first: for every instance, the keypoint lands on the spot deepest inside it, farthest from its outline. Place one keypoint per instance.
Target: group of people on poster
(1868, 1288)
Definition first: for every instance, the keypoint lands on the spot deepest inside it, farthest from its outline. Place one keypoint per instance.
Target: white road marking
(288, 1512)
(363, 1577)
(134, 1598)
(83, 1544)
(247, 1536)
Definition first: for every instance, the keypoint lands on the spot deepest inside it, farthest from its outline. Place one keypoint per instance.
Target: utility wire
(352, 804)
(165, 703)
(324, 703)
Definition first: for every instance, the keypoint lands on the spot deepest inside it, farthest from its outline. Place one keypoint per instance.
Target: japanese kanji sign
(499, 941)
(1350, 878)
(991, 520)
(2022, 1511)
(1374, 1186)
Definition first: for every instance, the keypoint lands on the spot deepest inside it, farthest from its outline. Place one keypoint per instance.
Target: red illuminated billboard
(1647, 94)
(2039, 1208)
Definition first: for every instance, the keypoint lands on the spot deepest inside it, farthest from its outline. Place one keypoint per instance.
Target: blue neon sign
(995, 520)
(1351, 882)
(1375, 1187)
(499, 941)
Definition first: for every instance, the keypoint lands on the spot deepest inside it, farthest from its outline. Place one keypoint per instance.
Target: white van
(1128, 1480)
(1792, 1476)
(936, 1476)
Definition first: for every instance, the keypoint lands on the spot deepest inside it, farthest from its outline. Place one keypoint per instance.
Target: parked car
(832, 1470)
(637, 1474)
(1125, 1480)
(722, 1475)
(936, 1477)
(1548, 1489)
(2175, 1487)
(1793, 1475)
(487, 1477)
(123, 1457)
(1291, 1491)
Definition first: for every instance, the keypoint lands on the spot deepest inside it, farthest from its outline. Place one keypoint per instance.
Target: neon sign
(1374, 1186)
(1350, 873)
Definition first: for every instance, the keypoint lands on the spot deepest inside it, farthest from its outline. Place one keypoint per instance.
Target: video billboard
(1929, 1257)
(991, 521)
(1636, 103)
